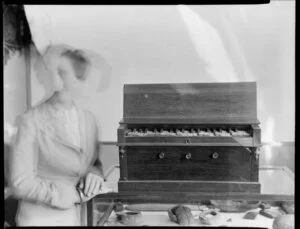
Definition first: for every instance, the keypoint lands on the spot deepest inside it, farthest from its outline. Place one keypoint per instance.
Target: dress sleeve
(24, 181)
(96, 167)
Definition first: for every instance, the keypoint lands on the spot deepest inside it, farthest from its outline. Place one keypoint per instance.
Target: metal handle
(161, 155)
(188, 156)
(215, 155)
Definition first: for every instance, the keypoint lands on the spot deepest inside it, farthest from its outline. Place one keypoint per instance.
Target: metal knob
(161, 155)
(188, 156)
(187, 141)
(215, 155)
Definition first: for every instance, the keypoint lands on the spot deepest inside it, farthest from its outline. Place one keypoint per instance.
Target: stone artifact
(264, 206)
(270, 213)
(209, 217)
(250, 215)
(289, 208)
(284, 222)
(118, 207)
(203, 208)
(130, 218)
(234, 205)
(181, 215)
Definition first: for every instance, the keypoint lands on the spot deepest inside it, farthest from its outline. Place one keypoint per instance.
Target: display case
(196, 208)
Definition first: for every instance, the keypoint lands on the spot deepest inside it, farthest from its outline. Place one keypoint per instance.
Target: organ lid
(190, 103)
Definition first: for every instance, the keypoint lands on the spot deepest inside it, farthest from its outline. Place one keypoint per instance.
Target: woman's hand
(91, 184)
(84, 198)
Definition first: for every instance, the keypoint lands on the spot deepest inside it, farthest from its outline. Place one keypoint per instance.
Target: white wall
(165, 44)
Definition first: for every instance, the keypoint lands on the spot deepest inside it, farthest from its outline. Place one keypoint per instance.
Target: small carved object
(284, 222)
(209, 217)
(250, 215)
(118, 207)
(289, 208)
(181, 215)
(130, 218)
(234, 205)
(264, 206)
(270, 213)
(203, 208)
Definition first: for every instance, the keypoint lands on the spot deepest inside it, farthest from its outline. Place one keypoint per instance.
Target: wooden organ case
(198, 137)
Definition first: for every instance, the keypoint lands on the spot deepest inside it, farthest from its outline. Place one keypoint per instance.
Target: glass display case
(195, 208)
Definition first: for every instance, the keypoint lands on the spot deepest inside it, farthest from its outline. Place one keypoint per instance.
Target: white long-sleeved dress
(53, 149)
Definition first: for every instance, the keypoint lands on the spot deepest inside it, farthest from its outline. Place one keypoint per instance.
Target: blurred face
(65, 70)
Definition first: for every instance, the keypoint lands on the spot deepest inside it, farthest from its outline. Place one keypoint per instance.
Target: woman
(54, 166)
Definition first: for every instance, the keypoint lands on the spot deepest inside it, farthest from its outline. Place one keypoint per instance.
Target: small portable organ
(200, 137)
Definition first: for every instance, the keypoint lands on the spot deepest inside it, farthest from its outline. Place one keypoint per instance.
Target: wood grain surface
(201, 102)
(188, 186)
(232, 163)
